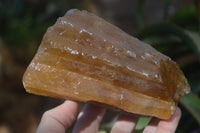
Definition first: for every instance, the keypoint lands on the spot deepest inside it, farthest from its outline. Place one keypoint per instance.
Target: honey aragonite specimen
(84, 58)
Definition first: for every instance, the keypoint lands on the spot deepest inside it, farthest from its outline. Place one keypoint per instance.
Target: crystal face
(84, 58)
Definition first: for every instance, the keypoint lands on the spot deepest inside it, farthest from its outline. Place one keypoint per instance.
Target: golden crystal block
(84, 58)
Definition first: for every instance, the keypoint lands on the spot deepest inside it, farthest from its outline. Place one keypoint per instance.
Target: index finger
(58, 119)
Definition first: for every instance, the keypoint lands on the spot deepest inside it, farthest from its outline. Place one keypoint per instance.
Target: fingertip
(65, 113)
(169, 126)
(178, 112)
(70, 102)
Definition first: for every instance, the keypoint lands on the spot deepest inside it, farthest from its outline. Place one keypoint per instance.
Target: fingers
(125, 124)
(89, 119)
(58, 119)
(169, 126)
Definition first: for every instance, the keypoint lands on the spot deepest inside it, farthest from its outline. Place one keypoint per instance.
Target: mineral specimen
(84, 58)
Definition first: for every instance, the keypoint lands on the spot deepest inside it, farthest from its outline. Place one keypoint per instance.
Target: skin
(60, 118)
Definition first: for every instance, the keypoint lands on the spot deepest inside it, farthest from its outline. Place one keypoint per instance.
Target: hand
(57, 120)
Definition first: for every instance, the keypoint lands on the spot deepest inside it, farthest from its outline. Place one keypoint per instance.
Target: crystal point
(84, 58)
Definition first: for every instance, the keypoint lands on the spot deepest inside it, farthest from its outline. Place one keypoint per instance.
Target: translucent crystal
(84, 58)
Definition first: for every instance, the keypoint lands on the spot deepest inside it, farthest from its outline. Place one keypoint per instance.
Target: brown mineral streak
(85, 58)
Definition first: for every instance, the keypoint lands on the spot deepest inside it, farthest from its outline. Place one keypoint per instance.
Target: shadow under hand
(89, 119)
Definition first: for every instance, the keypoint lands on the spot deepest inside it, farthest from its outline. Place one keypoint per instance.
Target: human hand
(57, 120)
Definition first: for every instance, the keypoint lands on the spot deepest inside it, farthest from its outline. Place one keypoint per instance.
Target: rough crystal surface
(85, 58)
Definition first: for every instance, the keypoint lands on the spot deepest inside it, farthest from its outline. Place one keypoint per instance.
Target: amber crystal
(84, 58)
